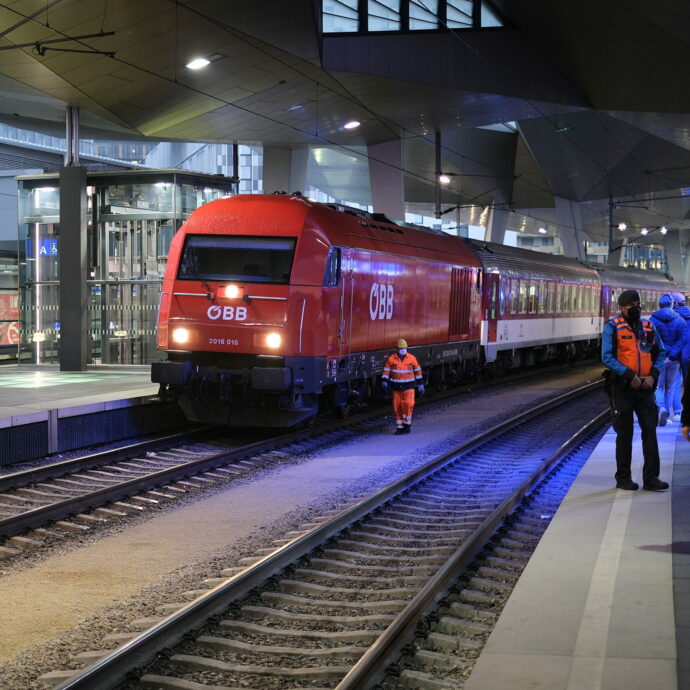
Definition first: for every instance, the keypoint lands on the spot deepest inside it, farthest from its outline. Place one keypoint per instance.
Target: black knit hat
(628, 296)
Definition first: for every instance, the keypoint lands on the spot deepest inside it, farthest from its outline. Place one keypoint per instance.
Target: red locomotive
(274, 307)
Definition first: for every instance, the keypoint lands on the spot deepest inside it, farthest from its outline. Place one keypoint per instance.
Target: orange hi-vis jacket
(632, 352)
(402, 374)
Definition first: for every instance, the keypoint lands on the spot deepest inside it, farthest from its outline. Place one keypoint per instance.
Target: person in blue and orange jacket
(402, 374)
(634, 355)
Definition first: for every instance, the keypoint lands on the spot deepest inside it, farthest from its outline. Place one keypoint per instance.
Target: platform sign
(47, 246)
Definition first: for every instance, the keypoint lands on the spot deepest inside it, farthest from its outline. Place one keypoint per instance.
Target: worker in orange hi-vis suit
(402, 374)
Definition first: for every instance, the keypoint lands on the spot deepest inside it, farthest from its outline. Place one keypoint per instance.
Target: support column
(73, 270)
(74, 302)
(386, 179)
(569, 218)
(674, 254)
(285, 170)
(496, 223)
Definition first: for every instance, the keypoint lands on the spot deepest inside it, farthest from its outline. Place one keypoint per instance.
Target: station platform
(44, 410)
(604, 602)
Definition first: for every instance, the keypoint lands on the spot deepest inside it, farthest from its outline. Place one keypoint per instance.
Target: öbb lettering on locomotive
(275, 307)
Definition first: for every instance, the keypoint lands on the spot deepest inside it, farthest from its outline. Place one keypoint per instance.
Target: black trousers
(625, 401)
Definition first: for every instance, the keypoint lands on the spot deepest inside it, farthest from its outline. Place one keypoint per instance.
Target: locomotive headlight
(273, 340)
(180, 335)
(232, 291)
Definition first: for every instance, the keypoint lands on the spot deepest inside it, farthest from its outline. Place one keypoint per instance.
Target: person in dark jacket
(671, 329)
(403, 374)
(634, 355)
(680, 307)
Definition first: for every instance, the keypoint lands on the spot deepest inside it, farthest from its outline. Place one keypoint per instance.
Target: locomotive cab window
(237, 257)
(333, 268)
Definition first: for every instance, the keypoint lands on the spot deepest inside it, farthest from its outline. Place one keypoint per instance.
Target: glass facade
(353, 16)
(133, 217)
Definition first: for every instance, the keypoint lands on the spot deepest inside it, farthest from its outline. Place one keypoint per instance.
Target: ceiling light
(198, 63)
(663, 229)
(444, 179)
(352, 124)
(644, 231)
(622, 227)
(542, 231)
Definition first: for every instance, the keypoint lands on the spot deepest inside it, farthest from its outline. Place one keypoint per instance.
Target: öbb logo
(227, 313)
(381, 301)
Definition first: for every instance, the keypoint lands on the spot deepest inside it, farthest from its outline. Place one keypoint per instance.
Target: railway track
(77, 494)
(334, 606)
(42, 504)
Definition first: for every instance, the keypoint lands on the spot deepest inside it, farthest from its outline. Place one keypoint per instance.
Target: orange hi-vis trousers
(403, 404)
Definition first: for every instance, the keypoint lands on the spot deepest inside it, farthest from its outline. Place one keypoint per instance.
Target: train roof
(513, 261)
(628, 277)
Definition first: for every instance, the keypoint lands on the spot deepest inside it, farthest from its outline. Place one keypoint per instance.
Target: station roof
(582, 101)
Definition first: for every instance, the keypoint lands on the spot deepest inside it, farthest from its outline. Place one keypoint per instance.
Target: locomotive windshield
(237, 258)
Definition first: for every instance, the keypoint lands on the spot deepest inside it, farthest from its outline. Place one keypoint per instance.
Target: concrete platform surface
(604, 603)
(28, 393)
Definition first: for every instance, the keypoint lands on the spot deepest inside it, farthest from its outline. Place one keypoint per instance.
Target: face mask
(634, 313)
(402, 352)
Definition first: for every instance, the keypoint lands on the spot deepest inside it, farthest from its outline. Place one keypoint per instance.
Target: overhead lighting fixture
(542, 231)
(201, 62)
(444, 179)
(663, 229)
(198, 63)
(644, 231)
(622, 227)
(352, 124)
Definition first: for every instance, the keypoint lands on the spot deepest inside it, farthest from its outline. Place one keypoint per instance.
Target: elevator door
(124, 301)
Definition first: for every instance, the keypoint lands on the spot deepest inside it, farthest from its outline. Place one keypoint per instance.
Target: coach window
(551, 287)
(541, 306)
(523, 296)
(532, 302)
(332, 277)
(502, 296)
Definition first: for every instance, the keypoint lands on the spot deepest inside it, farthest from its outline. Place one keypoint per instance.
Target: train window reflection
(235, 257)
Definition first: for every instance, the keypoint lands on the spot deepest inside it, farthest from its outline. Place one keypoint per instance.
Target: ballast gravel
(66, 598)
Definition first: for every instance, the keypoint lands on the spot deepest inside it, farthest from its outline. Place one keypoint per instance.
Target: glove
(421, 389)
(384, 386)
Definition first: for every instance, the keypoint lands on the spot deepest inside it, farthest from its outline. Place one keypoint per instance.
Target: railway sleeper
(425, 681)
(414, 558)
(228, 645)
(387, 536)
(264, 612)
(393, 581)
(204, 664)
(348, 566)
(311, 588)
(461, 610)
(439, 642)
(477, 596)
(498, 574)
(450, 625)
(152, 681)
(342, 636)
(282, 599)
(495, 587)
(432, 660)
(507, 564)
(401, 550)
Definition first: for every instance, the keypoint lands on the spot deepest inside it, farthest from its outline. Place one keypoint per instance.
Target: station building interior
(555, 127)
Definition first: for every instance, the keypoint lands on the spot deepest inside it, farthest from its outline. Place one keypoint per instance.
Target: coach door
(491, 287)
